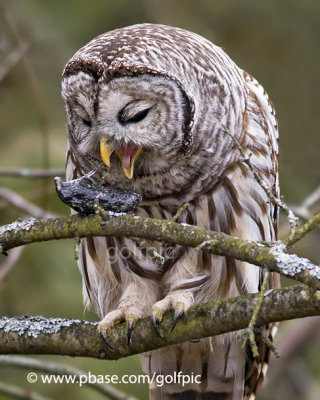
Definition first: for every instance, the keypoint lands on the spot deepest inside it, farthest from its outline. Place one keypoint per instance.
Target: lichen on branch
(265, 255)
(81, 338)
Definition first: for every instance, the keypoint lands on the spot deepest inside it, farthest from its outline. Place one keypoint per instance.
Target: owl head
(145, 106)
(126, 121)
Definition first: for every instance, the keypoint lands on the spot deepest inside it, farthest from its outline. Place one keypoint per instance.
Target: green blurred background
(276, 41)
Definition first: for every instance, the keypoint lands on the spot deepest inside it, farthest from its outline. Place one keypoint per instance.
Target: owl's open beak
(127, 155)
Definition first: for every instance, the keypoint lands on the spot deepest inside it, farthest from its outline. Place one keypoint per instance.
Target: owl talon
(104, 335)
(131, 322)
(177, 314)
(196, 340)
(155, 322)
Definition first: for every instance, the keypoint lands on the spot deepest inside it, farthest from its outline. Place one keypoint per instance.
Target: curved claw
(155, 322)
(130, 324)
(104, 335)
(177, 314)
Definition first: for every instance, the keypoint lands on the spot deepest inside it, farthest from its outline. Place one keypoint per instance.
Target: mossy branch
(266, 255)
(30, 335)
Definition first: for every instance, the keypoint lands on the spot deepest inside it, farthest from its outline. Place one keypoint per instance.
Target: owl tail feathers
(196, 371)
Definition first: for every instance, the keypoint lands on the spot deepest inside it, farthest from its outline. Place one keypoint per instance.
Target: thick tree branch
(37, 335)
(271, 256)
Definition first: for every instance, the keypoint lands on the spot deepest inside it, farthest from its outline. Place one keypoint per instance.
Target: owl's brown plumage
(148, 107)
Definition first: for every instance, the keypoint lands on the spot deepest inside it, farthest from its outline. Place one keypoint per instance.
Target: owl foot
(113, 318)
(131, 322)
(196, 340)
(180, 303)
(105, 332)
(178, 312)
(156, 319)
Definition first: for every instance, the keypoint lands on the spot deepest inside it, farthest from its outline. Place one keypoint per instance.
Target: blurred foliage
(276, 41)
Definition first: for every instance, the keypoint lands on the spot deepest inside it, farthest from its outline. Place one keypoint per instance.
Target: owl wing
(237, 205)
(260, 105)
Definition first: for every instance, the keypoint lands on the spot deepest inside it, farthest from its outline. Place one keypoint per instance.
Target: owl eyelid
(82, 114)
(87, 122)
(139, 116)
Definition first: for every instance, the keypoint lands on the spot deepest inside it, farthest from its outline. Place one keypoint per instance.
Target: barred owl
(148, 107)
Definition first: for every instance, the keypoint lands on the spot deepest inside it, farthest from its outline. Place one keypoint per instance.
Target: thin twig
(18, 201)
(10, 261)
(32, 173)
(302, 231)
(248, 334)
(179, 212)
(312, 199)
(54, 369)
(270, 343)
(12, 59)
(304, 209)
(18, 393)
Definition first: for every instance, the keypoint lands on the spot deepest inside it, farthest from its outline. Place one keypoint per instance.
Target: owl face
(147, 107)
(130, 126)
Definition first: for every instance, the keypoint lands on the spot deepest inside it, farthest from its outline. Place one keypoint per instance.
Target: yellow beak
(127, 156)
(105, 152)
